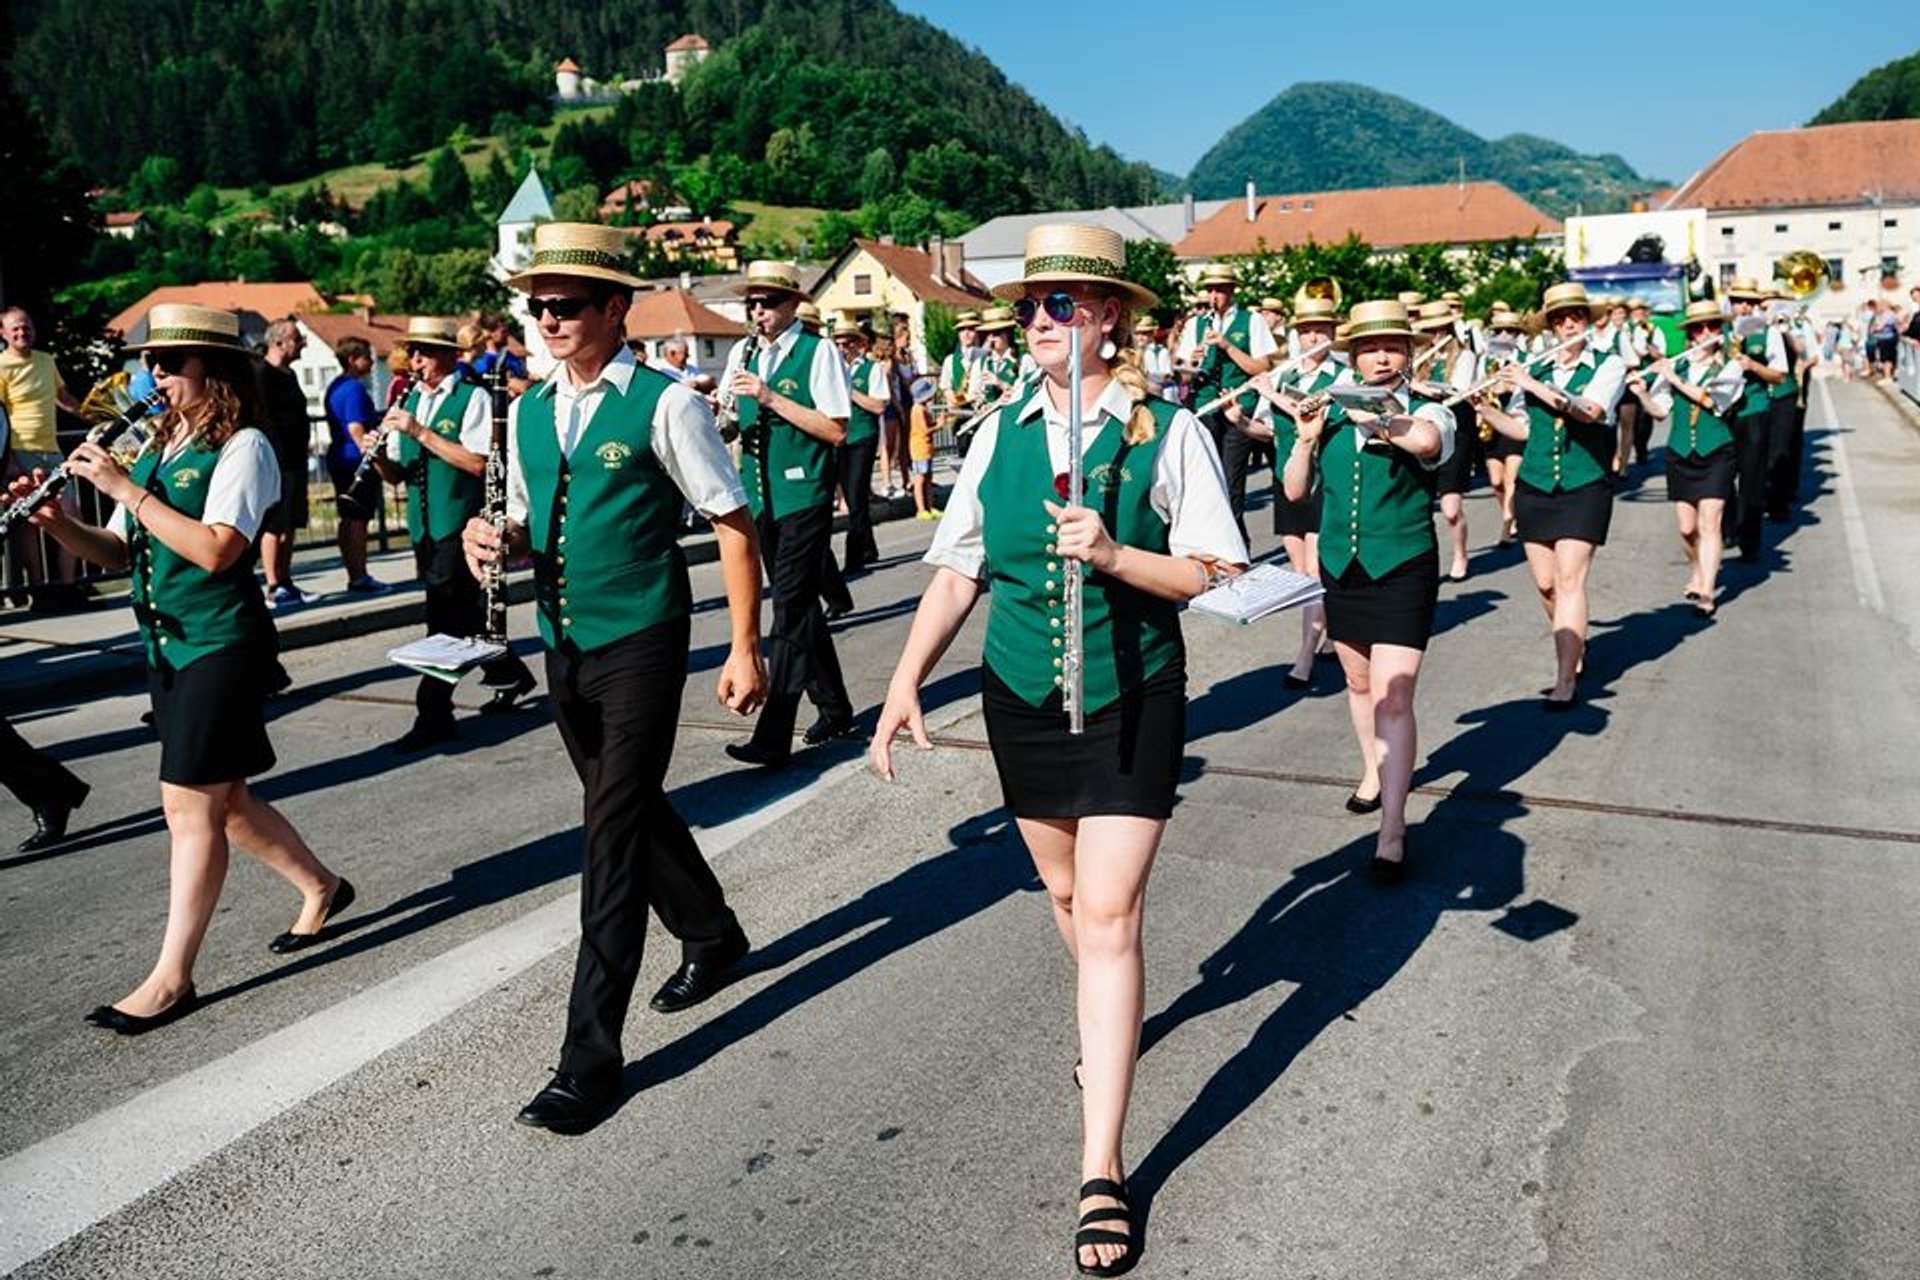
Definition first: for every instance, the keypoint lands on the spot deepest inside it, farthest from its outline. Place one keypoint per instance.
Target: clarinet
(495, 582)
(727, 411)
(49, 489)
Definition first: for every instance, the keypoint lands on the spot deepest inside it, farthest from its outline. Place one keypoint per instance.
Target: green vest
(1696, 432)
(1217, 369)
(1758, 395)
(186, 613)
(1788, 388)
(1562, 453)
(862, 424)
(603, 522)
(953, 370)
(1001, 369)
(1285, 431)
(441, 498)
(784, 469)
(1128, 634)
(1376, 504)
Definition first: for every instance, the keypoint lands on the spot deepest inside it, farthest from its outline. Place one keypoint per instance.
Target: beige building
(872, 279)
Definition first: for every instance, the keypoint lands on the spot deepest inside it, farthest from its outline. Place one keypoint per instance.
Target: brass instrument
(1317, 287)
(122, 435)
(1803, 273)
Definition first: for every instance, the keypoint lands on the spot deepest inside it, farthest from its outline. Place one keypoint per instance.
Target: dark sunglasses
(1059, 307)
(761, 302)
(169, 362)
(558, 308)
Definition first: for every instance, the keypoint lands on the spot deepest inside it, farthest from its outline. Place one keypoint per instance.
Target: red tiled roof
(381, 332)
(271, 300)
(1829, 164)
(661, 313)
(1384, 217)
(686, 42)
(914, 269)
(567, 64)
(130, 218)
(638, 191)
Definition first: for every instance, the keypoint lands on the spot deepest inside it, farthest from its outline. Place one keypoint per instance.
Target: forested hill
(1329, 137)
(1891, 92)
(800, 93)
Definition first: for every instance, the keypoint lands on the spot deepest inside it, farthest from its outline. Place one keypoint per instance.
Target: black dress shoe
(751, 752)
(424, 734)
(50, 824)
(289, 942)
(1356, 805)
(132, 1024)
(696, 980)
(505, 699)
(827, 728)
(838, 610)
(571, 1103)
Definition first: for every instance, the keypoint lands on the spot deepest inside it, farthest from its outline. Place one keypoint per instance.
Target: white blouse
(245, 483)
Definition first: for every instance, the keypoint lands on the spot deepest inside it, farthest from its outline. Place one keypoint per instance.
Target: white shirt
(1723, 388)
(476, 424)
(826, 380)
(245, 482)
(1328, 361)
(1260, 341)
(876, 388)
(1157, 362)
(1609, 380)
(1648, 345)
(1189, 487)
(684, 437)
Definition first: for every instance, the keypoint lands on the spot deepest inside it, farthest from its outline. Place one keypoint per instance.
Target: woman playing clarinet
(1562, 410)
(1155, 529)
(1379, 561)
(189, 513)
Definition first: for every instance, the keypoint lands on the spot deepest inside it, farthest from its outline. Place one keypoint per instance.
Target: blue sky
(1668, 86)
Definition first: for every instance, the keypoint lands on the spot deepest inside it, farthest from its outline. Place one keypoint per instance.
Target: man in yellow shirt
(30, 388)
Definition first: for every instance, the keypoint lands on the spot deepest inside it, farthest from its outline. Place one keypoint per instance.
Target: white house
(514, 250)
(994, 248)
(685, 53)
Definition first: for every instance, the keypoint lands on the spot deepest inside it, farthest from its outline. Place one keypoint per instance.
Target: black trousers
(35, 778)
(456, 606)
(1238, 454)
(856, 481)
(1750, 457)
(617, 709)
(800, 654)
(1786, 423)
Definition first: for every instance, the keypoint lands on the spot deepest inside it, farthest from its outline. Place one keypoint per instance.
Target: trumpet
(108, 433)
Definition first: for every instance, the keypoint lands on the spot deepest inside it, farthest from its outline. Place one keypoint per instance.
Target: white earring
(1107, 350)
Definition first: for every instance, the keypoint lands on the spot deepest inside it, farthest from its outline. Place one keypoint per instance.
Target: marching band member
(868, 391)
(188, 516)
(1800, 335)
(604, 455)
(1156, 360)
(1226, 346)
(1379, 561)
(1444, 368)
(1609, 329)
(1700, 445)
(1091, 807)
(1506, 341)
(1641, 344)
(957, 369)
(436, 443)
(1297, 521)
(1563, 501)
(1783, 408)
(1761, 352)
(793, 408)
(997, 371)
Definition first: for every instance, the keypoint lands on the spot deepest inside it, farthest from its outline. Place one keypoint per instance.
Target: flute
(1251, 384)
(49, 489)
(1072, 671)
(1487, 382)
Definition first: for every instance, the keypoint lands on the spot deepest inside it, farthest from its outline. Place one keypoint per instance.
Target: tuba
(1317, 287)
(1802, 273)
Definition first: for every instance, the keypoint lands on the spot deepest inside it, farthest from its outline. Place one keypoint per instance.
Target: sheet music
(1261, 591)
(446, 657)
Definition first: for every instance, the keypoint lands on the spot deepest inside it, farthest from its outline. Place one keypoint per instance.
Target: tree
(941, 336)
(158, 180)
(878, 175)
(448, 189)
(1151, 265)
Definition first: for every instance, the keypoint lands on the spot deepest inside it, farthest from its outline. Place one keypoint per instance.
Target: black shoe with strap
(290, 942)
(1090, 1233)
(827, 728)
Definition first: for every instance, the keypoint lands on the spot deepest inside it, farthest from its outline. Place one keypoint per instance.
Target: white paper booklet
(1262, 590)
(446, 657)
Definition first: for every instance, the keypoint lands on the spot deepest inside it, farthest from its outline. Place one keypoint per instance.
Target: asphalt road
(1646, 1008)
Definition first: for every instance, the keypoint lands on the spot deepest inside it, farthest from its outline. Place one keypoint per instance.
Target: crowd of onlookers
(1865, 342)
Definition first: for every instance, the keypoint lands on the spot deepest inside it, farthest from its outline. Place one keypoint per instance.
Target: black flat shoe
(698, 980)
(1558, 706)
(507, 698)
(1693, 595)
(50, 824)
(753, 753)
(835, 612)
(826, 729)
(422, 736)
(1356, 805)
(570, 1103)
(132, 1024)
(1090, 1234)
(289, 942)
(1386, 870)
(1293, 681)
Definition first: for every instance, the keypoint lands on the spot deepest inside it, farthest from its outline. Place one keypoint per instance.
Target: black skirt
(1503, 447)
(1697, 479)
(1295, 519)
(1583, 514)
(211, 718)
(1455, 475)
(1126, 762)
(1395, 608)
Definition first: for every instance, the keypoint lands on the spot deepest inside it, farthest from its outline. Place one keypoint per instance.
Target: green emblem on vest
(185, 478)
(613, 454)
(1106, 478)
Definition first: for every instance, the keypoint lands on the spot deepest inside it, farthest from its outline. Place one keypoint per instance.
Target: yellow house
(872, 280)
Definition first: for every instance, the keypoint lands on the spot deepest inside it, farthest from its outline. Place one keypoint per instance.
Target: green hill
(1326, 137)
(1891, 92)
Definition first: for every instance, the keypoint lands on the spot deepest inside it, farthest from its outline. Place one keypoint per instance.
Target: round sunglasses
(1059, 306)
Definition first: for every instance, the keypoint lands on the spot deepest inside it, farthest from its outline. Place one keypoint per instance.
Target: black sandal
(1089, 1234)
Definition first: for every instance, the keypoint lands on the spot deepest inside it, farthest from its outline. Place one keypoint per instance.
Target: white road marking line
(59, 1187)
(1866, 580)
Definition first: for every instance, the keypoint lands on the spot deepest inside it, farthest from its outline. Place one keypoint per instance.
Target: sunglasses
(558, 308)
(762, 302)
(169, 362)
(1058, 305)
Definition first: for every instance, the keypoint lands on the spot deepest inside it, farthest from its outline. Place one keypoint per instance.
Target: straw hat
(1411, 298)
(1066, 252)
(848, 329)
(1219, 273)
(1745, 290)
(763, 274)
(1452, 298)
(1145, 324)
(178, 324)
(1316, 311)
(994, 319)
(1704, 311)
(966, 320)
(1568, 296)
(583, 249)
(1384, 319)
(1505, 319)
(809, 315)
(433, 331)
(1271, 303)
(1433, 315)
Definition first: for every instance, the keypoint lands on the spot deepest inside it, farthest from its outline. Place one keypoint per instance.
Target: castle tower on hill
(688, 51)
(566, 80)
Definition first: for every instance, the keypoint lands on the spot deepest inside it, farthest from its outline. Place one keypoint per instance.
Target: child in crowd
(920, 449)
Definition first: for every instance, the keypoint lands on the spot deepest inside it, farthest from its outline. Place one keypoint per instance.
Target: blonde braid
(1125, 370)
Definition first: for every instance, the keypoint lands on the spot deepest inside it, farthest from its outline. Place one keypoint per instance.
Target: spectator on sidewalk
(350, 425)
(30, 391)
(1883, 339)
(292, 436)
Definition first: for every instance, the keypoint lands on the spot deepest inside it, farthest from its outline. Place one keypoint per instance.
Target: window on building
(1306, 206)
(863, 285)
(706, 348)
(1833, 226)
(1780, 228)
(1727, 232)
(1726, 274)
(1836, 269)
(1891, 222)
